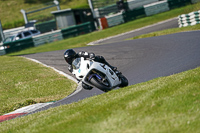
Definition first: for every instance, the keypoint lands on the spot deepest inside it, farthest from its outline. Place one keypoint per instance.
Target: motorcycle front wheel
(100, 85)
(87, 87)
(124, 81)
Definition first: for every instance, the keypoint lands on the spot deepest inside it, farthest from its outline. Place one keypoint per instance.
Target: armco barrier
(46, 26)
(18, 45)
(192, 18)
(133, 4)
(115, 19)
(194, 1)
(177, 3)
(107, 10)
(2, 52)
(134, 14)
(47, 37)
(10, 32)
(156, 8)
(78, 30)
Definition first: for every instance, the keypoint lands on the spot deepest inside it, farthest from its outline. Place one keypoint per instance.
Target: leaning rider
(70, 55)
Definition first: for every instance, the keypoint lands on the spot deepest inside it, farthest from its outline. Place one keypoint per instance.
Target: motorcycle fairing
(81, 69)
(104, 69)
(86, 69)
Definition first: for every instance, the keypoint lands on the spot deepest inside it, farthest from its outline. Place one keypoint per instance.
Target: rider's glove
(92, 56)
(70, 68)
(81, 54)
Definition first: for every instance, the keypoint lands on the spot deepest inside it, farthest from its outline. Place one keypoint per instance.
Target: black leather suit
(87, 55)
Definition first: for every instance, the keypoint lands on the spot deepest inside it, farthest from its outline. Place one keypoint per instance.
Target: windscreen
(76, 63)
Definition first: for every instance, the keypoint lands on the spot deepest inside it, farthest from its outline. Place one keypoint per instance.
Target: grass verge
(23, 82)
(83, 40)
(168, 31)
(166, 104)
(11, 17)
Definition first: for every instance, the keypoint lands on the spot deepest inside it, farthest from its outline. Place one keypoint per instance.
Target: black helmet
(69, 55)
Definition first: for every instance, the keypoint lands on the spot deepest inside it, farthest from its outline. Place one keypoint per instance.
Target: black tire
(124, 81)
(99, 85)
(87, 87)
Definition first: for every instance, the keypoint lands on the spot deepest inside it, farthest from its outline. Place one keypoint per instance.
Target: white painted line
(30, 108)
(60, 72)
(34, 107)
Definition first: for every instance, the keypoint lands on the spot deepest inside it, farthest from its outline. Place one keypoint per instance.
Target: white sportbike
(98, 75)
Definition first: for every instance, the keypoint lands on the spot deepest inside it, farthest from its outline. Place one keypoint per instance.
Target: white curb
(30, 108)
(60, 72)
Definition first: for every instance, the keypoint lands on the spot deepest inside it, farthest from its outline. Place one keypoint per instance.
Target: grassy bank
(166, 104)
(13, 17)
(83, 40)
(23, 82)
(168, 31)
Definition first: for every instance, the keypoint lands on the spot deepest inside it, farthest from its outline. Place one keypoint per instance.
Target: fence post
(91, 7)
(1, 32)
(25, 16)
(57, 4)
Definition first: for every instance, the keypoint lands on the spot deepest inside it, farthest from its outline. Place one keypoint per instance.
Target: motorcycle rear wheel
(99, 85)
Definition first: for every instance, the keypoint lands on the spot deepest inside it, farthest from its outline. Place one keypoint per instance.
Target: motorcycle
(96, 74)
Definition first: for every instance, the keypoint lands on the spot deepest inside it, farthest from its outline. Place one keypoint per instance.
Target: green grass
(166, 104)
(11, 16)
(23, 82)
(83, 40)
(168, 31)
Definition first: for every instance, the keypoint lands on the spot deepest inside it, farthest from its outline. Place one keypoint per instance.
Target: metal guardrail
(89, 27)
(10, 32)
(47, 38)
(2, 50)
(195, 1)
(46, 26)
(157, 7)
(78, 30)
(134, 14)
(177, 3)
(34, 41)
(134, 4)
(18, 45)
(115, 19)
(138, 9)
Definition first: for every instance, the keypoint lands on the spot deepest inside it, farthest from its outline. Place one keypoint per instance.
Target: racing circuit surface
(139, 60)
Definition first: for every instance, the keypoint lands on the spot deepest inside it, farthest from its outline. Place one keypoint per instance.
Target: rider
(70, 55)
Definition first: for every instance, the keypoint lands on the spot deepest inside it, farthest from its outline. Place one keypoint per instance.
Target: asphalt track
(167, 24)
(139, 60)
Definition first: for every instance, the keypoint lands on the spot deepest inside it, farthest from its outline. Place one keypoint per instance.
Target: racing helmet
(69, 55)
